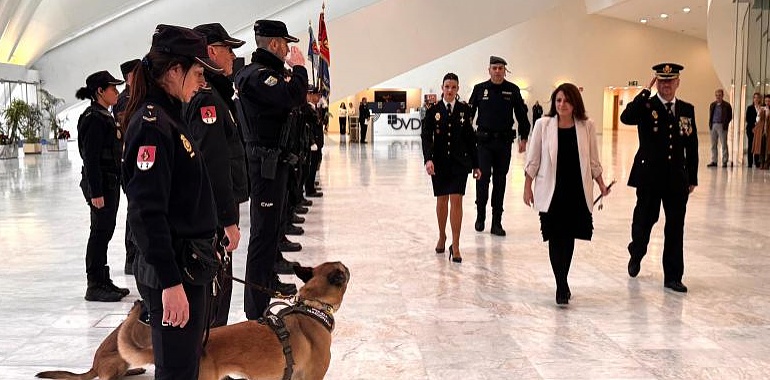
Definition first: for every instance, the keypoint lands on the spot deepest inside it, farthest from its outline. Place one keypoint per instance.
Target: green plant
(48, 105)
(22, 118)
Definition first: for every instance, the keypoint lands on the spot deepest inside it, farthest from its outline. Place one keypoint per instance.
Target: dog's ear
(304, 273)
(336, 277)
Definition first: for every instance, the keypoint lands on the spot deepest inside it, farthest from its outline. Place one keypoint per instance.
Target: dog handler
(169, 195)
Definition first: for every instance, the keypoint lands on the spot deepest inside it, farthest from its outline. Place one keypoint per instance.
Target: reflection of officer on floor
(496, 100)
(665, 170)
(265, 98)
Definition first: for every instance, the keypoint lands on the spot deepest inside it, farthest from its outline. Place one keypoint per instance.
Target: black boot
(481, 217)
(287, 289)
(101, 292)
(108, 282)
(497, 227)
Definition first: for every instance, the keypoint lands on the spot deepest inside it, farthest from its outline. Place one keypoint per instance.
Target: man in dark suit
(752, 113)
(720, 116)
(665, 170)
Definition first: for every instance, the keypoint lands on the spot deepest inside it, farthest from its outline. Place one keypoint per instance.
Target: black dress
(568, 216)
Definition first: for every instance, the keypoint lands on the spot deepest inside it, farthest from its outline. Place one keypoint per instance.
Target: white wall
(566, 44)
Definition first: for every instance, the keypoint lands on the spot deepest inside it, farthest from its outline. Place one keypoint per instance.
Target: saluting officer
(214, 131)
(100, 143)
(266, 95)
(496, 101)
(665, 170)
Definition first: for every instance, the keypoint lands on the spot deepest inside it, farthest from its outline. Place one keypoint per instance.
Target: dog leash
(272, 293)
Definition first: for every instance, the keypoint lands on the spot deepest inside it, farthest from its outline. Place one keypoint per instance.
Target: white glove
(314, 148)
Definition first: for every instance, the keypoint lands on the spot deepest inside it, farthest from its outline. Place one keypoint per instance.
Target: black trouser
(131, 247)
(176, 350)
(646, 213)
(560, 252)
(364, 126)
(343, 125)
(266, 211)
(315, 161)
(221, 302)
(102, 228)
(750, 140)
(494, 161)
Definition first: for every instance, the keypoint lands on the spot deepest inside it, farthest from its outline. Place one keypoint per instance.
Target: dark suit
(665, 165)
(751, 121)
(450, 142)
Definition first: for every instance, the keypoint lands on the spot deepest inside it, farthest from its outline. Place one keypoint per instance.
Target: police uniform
(449, 141)
(264, 100)
(169, 199)
(317, 130)
(214, 131)
(664, 168)
(100, 143)
(496, 105)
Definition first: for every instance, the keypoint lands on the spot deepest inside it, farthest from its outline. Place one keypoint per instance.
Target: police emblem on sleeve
(209, 114)
(146, 157)
(187, 145)
(271, 81)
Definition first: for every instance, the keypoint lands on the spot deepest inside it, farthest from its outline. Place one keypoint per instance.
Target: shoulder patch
(209, 114)
(271, 81)
(149, 113)
(145, 159)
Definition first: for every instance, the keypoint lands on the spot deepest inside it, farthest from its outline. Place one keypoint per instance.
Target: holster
(269, 161)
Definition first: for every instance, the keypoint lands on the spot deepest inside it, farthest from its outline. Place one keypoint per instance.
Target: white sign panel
(397, 124)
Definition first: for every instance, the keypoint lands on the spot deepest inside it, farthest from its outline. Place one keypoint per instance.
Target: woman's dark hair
(146, 76)
(573, 97)
(343, 105)
(450, 76)
(84, 93)
(767, 96)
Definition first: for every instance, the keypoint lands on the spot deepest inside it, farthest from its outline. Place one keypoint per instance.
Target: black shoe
(316, 194)
(306, 203)
(294, 230)
(563, 296)
(102, 293)
(283, 266)
(479, 223)
(711, 165)
(289, 246)
(634, 266)
(363, 142)
(296, 219)
(301, 210)
(286, 289)
(676, 286)
(452, 257)
(724, 165)
(115, 288)
(497, 229)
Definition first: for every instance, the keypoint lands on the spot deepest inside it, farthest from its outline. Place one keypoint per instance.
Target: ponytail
(84, 93)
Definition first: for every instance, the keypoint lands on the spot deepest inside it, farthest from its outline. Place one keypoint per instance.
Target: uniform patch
(146, 157)
(209, 114)
(187, 145)
(271, 81)
(654, 114)
(438, 116)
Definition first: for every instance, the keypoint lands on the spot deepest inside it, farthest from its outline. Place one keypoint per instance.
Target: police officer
(169, 195)
(214, 131)
(665, 170)
(126, 68)
(316, 128)
(266, 95)
(496, 100)
(99, 144)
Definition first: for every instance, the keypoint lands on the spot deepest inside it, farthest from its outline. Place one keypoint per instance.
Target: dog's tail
(135, 339)
(67, 375)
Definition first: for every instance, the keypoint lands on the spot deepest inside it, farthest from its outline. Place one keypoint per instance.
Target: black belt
(496, 135)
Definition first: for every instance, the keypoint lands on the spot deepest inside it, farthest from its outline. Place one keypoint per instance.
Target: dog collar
(325, 317)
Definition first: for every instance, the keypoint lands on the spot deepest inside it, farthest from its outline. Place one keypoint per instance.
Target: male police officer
(266, 94)
(215, 132)
(665, 170)
(496, 100)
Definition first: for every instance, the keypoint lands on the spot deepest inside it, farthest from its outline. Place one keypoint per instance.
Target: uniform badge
(486, 93)
(654, 114)
(187, 145)
(685, 126)
(271, 81)
(462, 117)
(438, 116)
(209, 114)
(146, 157)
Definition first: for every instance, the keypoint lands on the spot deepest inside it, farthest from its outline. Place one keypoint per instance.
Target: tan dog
(252, 350)
(108, 364)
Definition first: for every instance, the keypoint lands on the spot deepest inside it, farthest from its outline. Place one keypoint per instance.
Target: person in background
(170, 201)
(752, 116)
(537, 112)
(311, 191)
(449, 150)
(342, 113)
(761, 134)
(363, 119)
(720, 116)
(100, 143)
(563, 163)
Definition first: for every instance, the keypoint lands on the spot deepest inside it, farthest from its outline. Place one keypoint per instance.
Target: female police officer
(99, 144)
(169, 195)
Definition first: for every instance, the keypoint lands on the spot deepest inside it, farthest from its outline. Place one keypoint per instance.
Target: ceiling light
(663, 15)
(643, 21)
(686, 9)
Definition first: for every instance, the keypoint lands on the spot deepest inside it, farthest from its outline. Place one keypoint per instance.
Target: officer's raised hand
(295, 57)
(652, 82)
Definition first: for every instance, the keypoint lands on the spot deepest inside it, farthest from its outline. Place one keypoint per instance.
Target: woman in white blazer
(563, 162)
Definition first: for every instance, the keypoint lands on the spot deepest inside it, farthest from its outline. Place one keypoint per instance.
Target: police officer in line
(496, 101)
(100, 143)
(170, 201)
(316, 128)
(665, 170)
(213, 130)
(266, 95)
(126, 68)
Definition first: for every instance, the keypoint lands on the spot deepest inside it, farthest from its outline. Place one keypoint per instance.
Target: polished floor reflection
(411, 314)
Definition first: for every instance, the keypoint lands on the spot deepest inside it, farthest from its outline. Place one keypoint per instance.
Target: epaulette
(204, 89)
(149, 114)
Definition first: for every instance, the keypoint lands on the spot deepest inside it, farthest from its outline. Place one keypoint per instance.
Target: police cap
(667, 70)
(313, 90)
(216, 33)
(497, 61)
(273, 28)
(176, 40)
(128, 66)
(102, 79)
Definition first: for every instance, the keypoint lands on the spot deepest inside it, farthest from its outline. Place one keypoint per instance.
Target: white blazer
(543, 145)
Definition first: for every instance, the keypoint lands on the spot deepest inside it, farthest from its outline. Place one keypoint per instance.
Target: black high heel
(452, 257)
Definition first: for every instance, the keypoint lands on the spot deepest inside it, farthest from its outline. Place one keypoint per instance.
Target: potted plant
(26, 119)
(9, 140)
(48, 106)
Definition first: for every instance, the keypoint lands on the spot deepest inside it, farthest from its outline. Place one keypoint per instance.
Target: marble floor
(410, 314)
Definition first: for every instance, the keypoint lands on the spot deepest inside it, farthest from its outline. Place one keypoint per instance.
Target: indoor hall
(411, 314)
